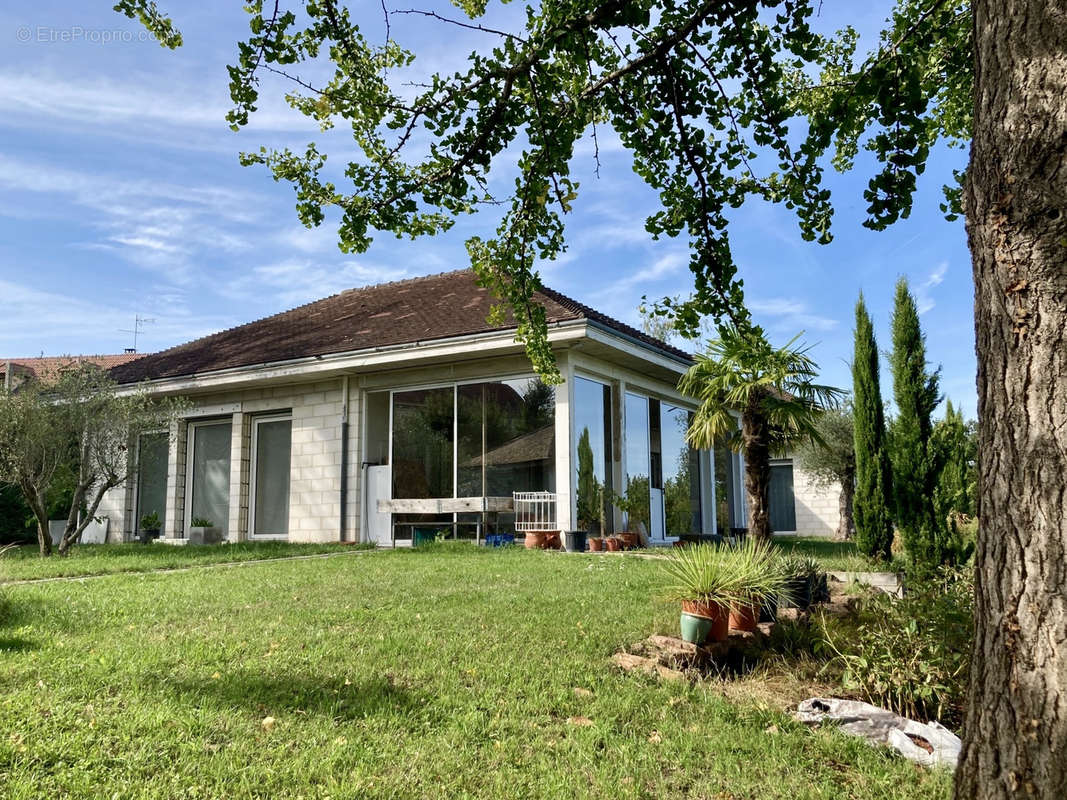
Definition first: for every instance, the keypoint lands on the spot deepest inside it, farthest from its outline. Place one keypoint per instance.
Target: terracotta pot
(552, 541)
(630, 540)
(535, 540)
(614, 544)
(717, 614)
(596, 544)
(744, 618)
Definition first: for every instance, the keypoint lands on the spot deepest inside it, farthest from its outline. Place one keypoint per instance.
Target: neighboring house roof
(404, 312)
(538, 445)
(47, 367)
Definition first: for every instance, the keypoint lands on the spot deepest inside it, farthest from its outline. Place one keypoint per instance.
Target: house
(15, 371)
(369, 413)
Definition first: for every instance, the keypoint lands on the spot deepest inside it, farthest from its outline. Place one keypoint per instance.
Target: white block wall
(817, 507)
(315, 481)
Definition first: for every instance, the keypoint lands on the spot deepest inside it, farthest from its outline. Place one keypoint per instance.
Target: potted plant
(633, 503)
(802, 581)
(203, 531)
(760, 578)
(150, 525)
(702, 578)
(613, 544)
(597, 510)
(535, 540)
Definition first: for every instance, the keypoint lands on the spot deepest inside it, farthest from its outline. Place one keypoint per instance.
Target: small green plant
(734, 576)
(911, 655)
(150, 522)
(202, 522)
(702, 573)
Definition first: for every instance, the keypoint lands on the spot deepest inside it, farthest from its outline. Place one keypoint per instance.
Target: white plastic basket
(535, 511)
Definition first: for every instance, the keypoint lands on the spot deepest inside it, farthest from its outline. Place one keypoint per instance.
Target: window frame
(253, 469)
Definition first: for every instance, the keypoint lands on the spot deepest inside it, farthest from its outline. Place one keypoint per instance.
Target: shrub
(911, 655)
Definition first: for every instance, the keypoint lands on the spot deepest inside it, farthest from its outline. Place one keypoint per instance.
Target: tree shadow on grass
(14, 613)
(300, 694)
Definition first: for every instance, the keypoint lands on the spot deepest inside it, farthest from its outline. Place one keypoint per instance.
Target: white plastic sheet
(884, 727)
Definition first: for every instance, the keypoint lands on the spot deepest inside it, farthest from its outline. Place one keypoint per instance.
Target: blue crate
(499, 539)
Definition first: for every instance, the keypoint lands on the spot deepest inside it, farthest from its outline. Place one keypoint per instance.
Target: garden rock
(927, 744)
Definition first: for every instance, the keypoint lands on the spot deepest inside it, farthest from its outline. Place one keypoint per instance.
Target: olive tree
(832, 462)
(79, 423)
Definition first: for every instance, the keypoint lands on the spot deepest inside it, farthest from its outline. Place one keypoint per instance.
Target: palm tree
(774, 391)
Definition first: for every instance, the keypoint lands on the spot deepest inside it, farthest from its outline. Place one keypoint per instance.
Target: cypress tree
(873, 520)
(914, 456)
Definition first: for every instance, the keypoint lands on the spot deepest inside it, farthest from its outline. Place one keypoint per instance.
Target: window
(152, 455)
(474, 440)
(681, 474)
(782, 508)
(271, 447)
(423, 443)
(209, 474)
(727, 488)
(638, 460)
(592, 425)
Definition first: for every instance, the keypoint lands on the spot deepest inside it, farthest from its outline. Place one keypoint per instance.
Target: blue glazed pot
(695, 629)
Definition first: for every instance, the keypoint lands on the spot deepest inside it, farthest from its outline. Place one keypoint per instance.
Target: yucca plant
(702, 573)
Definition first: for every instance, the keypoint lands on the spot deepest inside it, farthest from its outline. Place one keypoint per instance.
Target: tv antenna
(138, 328)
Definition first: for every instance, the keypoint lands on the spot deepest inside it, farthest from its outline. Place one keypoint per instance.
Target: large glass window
(423, 436)
(502, 435)
(210, 474)
(592, 424)
(638, 460)
(152, 454)
(726, 490)
(272, 444)
(783, 509)
(681, 474)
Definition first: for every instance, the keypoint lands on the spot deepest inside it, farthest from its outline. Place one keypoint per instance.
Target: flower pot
(535, 540)
(596, 544)
(695, 630)
(716, 614)
(614, 544)
(744, 618)
(629, 540)
(574, 541)
(147, 536)
(798, 590)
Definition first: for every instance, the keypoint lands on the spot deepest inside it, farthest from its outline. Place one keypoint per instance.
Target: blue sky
(121, 194)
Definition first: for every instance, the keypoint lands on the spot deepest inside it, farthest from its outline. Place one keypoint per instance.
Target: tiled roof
(48, 366)
(404, 312)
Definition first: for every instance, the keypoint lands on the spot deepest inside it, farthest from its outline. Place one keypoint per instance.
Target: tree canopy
(717, 103)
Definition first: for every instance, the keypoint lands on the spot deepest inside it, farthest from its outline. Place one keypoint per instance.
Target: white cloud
(924, 301)
(292, 282)
(790, 314)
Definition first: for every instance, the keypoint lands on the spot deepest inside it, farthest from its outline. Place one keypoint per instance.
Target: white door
(379, 485)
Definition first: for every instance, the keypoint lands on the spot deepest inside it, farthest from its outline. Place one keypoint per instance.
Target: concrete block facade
(817, 509)
(315, 462)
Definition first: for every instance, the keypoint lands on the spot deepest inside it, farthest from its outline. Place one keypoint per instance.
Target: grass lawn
(833, 554)
(443, 673)
(102, 559)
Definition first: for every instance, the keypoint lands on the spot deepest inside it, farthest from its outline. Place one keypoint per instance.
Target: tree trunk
(36, 503)
(1015, 736)
(845, 525)
(754, 432)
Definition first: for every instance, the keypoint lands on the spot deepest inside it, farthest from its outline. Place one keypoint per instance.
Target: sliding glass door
(208, 478)
(271, 447)
(152, 454)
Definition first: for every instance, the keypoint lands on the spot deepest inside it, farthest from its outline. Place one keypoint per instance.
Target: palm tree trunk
(754, 433)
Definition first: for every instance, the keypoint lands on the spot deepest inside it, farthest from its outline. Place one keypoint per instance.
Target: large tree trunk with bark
(1015, 736)
(754, 434)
